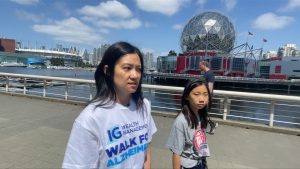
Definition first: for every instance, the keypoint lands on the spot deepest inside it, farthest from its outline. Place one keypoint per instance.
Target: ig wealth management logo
(114, 134)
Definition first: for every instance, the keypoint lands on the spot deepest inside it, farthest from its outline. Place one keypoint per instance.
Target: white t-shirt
(115, 137)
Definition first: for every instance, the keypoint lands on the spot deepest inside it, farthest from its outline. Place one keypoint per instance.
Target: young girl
(187, 139)
(115, 129)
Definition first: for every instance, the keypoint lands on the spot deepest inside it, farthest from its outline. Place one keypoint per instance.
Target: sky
(152, 25)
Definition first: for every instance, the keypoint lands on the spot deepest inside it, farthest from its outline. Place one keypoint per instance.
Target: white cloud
(70, 30)
(269, 21)
(292, 4)
(25, 2)
(167, 7)
(229, 4)
(177, 27)
(110, 14)
(62, 7)
(28, 16)
(119, 24)
(106, 10)
(201, 2)
(149, 25)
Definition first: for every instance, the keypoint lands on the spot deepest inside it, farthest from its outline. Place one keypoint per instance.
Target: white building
(288, 50)
(270, 54)
(287, 68)
(148, 60)
(98, 53)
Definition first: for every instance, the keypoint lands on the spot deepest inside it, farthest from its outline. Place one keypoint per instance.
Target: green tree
(172, 53)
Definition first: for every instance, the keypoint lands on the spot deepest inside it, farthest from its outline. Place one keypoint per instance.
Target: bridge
(34, 133)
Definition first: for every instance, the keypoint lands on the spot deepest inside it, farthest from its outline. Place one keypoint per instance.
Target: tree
(172, 53)
(57, 62)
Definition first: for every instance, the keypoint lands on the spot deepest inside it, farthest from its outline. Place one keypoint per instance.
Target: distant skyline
(151, 25)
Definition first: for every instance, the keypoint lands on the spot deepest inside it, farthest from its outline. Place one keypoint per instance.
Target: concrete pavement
(34, 133)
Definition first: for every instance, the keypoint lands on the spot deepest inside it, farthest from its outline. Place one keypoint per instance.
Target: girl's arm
(176, 161)
(147, 163)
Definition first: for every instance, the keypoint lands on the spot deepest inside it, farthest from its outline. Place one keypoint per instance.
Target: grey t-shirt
(180, 141)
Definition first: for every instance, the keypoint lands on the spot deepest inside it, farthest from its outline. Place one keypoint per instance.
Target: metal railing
(269, 109)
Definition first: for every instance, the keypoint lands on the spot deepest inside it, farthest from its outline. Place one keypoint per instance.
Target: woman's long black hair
(106, 94)
(187, 111)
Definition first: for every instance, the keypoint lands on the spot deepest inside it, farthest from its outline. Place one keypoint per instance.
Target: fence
(273, 110)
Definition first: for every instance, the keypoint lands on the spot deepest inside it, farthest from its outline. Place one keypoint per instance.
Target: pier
(263, 85)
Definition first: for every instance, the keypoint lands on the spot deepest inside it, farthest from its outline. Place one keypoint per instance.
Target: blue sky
(152, 25)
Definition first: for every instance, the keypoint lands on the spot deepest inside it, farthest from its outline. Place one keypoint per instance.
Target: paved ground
(34, 133)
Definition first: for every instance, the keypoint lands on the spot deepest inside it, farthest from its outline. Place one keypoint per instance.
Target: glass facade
(238, 64)
(208, 31)
(166, 64)
(216, 63)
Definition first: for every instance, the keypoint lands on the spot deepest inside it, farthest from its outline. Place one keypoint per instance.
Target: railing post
(221, 106)
(25, 83)
(66, 91)
(44, 89)
(272, 109)
(7, 83)
(226, 107)
(91, 93)
(151, 91)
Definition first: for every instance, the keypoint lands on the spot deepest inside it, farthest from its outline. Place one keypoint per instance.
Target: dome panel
(209, 30)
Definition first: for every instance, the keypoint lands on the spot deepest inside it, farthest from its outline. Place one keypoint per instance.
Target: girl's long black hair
(187, 111)
(106, 94)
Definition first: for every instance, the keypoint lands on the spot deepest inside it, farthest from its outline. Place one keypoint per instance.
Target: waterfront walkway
(34, 133)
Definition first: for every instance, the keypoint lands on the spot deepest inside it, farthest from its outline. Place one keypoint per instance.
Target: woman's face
(198, 98)
(127, 75)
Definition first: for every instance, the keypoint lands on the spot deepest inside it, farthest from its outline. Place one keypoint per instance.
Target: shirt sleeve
(176, 140)
(82, 149)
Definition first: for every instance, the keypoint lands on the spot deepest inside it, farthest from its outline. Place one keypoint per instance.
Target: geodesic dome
(208, 31)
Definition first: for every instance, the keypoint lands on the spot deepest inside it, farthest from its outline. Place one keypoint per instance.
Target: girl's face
(127, 75)
(198, 98)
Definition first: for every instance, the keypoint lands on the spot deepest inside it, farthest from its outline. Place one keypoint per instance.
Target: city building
(270, 54)
(148, 60)
(98, 54)
(166, 64)
(288, 50)
(7, 45)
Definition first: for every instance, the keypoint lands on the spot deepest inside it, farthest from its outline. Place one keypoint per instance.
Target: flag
(250, 33)
(264, 40)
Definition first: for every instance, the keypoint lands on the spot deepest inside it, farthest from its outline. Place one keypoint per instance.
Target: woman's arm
(147, 163)
(176, 161)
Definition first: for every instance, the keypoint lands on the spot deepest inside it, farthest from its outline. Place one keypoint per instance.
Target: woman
(187, 139)
(115, 129)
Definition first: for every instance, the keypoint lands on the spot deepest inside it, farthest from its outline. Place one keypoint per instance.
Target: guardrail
(269, 109)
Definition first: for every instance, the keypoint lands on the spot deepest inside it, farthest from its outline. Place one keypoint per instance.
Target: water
(246, 108)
